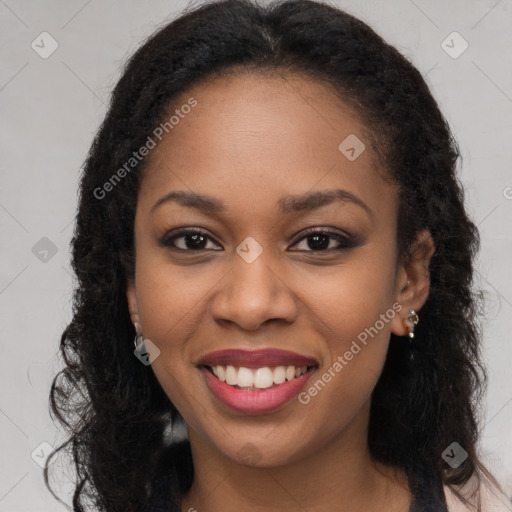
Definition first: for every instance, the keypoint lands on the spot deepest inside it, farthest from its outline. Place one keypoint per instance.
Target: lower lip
(260, 401)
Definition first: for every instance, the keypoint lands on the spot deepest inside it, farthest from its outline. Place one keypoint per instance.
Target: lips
(258, 381)
(256, 358)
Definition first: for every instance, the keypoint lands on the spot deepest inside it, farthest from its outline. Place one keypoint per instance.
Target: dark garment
(426, 488)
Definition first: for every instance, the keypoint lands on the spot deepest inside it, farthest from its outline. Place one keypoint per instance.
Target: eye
(187, 240)
(320, 240)
(316, 240)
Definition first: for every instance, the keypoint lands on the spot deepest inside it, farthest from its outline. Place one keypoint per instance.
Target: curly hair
(112, 407)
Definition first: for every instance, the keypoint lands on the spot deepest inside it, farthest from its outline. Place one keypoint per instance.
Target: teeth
(231, 376)
(259, 378)
(245, 377)
(263, 378)
(279, 375)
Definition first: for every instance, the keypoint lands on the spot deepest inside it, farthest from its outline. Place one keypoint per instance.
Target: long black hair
(112, 406)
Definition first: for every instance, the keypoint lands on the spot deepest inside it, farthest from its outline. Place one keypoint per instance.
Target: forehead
(260, 134)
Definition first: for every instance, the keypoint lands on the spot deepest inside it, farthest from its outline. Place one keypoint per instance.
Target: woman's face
(266, 155)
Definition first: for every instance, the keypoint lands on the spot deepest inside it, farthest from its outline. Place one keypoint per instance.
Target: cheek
(171, 305)
(356, 335)
(168, 311)
(351, 307)
(350, 301)
(171, 298)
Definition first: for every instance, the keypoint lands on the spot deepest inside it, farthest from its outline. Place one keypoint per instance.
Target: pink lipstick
(256, 381)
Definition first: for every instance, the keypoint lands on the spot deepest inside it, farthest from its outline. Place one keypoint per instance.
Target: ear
(413, 281)
(131, 297)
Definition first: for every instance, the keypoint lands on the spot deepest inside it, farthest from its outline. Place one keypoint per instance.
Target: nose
(255, 293)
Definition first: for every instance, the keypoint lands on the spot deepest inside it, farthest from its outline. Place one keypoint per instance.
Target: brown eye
(321, 241)
(187, 240)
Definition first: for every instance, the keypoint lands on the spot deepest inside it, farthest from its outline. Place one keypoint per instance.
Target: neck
(340, 475)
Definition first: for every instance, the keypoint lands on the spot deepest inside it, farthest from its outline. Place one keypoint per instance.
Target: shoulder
(491, 499)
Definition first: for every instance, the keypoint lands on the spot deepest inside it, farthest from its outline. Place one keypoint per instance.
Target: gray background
(51, 108)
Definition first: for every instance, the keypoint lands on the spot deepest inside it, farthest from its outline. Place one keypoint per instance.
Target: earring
(139, 338)
(411, 322)
(413, 355)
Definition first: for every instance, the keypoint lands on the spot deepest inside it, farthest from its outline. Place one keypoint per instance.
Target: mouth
(256, 381)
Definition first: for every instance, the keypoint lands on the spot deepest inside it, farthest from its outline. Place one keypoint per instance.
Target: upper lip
(256, 358)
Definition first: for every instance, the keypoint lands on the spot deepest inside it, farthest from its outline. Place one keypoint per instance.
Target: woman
(270, 211)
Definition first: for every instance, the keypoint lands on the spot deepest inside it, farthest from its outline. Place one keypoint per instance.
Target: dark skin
(248, 142)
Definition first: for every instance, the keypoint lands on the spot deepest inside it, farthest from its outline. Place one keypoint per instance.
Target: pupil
(197, 241)
(316, 245)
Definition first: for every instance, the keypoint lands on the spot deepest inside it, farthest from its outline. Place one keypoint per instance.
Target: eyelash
(346, 242)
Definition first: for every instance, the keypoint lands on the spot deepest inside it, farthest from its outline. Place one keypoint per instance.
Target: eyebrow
(287, 204)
